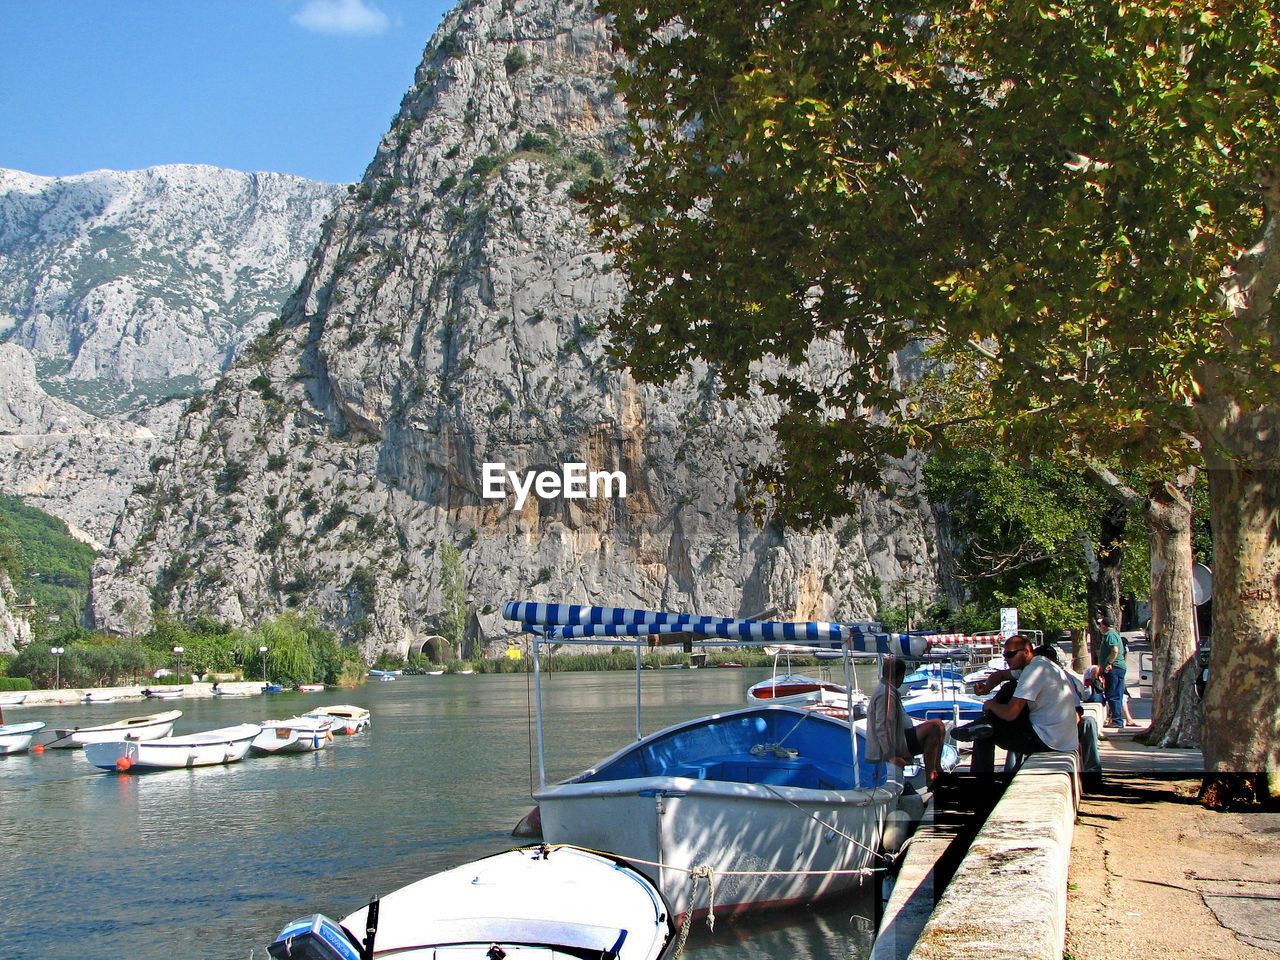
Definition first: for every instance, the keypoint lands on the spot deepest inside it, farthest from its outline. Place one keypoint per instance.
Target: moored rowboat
(345, 717)
(209, 748)
(16, 737)
(295, 735)
(765, 799)
(538, 903)
(152, 726)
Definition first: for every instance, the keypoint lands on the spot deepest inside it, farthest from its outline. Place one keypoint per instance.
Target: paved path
(1154, 874)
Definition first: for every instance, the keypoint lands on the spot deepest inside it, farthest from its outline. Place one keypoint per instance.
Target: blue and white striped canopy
(565, 621)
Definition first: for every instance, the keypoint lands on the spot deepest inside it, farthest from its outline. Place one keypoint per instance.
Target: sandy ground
(1154, 874)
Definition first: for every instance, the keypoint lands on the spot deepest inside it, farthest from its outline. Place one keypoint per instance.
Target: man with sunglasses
(1035, 712)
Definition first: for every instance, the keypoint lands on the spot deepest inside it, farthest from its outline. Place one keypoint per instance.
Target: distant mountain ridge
(451, 316)
(126, 287)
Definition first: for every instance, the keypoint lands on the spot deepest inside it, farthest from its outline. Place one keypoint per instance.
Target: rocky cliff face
(76, 466)
(15, 629)
(130, 286)
(450, 318)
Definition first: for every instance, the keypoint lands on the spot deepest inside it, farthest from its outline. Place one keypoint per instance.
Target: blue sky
(306, 87)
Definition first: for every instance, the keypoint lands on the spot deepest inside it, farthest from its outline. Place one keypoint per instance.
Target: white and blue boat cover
(566, 621)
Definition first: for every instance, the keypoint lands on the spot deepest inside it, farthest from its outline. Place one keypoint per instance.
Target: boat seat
(797, 772)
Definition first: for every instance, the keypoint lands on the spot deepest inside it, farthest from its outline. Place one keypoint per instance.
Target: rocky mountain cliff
(450, 318)
(76, 466)
(15, 629)
(130, 286)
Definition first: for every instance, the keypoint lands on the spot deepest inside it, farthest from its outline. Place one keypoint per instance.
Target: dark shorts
(913, 742)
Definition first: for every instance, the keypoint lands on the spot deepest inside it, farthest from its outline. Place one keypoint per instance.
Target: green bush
(9, 684)
(514, 60)
(537, 143)
(482, 165)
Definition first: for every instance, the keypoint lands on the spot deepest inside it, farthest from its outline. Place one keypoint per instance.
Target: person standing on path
(1111, 661)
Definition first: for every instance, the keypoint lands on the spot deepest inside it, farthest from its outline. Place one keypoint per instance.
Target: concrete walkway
(1154, 874)
(1142, 870)
(72, 695)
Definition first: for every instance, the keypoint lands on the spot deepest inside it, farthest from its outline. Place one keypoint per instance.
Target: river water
(209, 864)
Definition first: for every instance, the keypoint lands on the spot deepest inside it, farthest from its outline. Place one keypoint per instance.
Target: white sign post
(1008, 622)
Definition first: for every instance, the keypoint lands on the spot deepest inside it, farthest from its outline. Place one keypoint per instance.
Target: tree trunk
(1103, 590)
(1081, 658)
(1242, 702)
(1175, 708)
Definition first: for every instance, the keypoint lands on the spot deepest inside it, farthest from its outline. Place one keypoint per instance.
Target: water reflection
(827, 931)
(210, 863)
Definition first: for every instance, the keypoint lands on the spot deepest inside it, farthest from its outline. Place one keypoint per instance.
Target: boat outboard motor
(315, 938)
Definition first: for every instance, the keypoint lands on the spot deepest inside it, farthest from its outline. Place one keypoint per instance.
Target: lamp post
(263, 651)
(178, 651)
(57, 666)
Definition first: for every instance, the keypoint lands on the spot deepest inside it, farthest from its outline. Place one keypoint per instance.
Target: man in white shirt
(1037, 715)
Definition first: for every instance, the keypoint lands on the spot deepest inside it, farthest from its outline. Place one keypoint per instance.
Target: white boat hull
(152, 727)
(797, 690)
(16, 737)
(536, 903)
(211, 748)
(298, 735)
(346, 719)
(766, 801)
(668, 826)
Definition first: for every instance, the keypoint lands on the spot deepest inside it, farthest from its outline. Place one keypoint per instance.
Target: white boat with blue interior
(761, 807)
(942, 701)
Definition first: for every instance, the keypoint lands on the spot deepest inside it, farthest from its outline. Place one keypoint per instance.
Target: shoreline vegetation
(298, 651)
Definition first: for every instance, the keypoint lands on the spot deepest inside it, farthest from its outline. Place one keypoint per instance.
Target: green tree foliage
(290, 658)
(1021, 532)
(1070, 203)
(10, 553)
(453, 619)
(299, 651)
(52, 567)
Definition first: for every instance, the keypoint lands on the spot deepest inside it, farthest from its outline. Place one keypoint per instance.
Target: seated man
(1034, 713)
(1086, 726)
(892, 736)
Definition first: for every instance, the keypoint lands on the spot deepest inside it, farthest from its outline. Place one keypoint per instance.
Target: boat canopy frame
(561, 623)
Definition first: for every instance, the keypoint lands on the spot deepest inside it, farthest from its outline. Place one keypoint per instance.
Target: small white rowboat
(346, 718)
(207, 749)
(16, 737)
(295, 735)
(150, 727)
(536, 903)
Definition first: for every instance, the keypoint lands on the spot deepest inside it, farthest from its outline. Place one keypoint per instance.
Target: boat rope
(700, 872)
(818, 820)
(777, 749)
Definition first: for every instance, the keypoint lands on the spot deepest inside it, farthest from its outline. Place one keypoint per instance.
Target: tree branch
(1113, 485)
